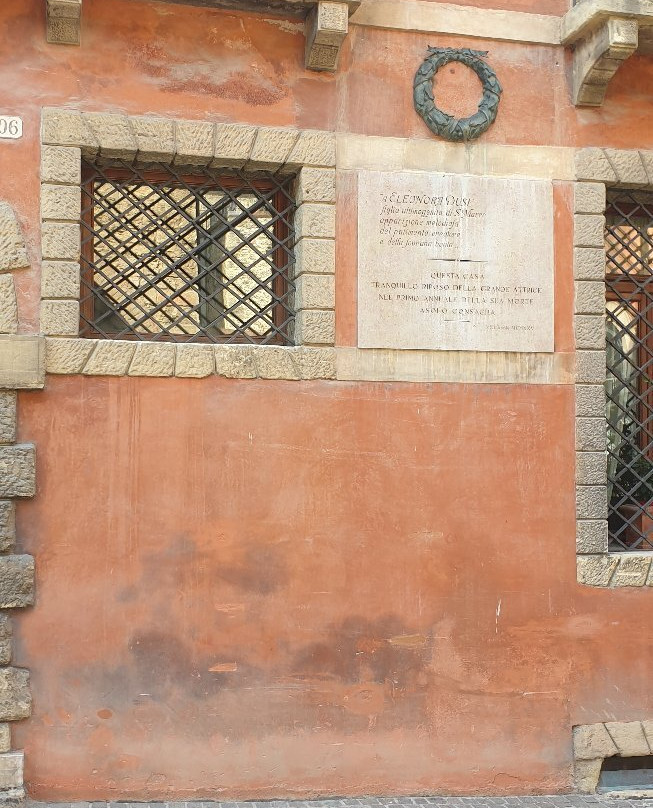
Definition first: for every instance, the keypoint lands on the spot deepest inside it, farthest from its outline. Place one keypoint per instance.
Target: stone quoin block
(314, 148)
(315, 292)
(596, 570)
(588, 230)
(589, 197)
(233, 144)
(592, 536)
(589, 264)
(647, 161)
(60, 317)
(633, 570)
(15, 698)
(195, 142)
(153, 359)
(628, 167)
(591, 467)
(17, 471)
(7, 525)
(5, 640)
(592, 164)
(109, 358)
(586, 775)
(155, 139)
(590, 435)
(235, 361)
(272, 147)
(5, 738)
(593, 741)
(275, 363)
(316, 185)
(590, 401)
(316, 256)
(60, 241)
(13, 254)
(60, 279)
(628, 736)
(61, 165)
(590, 367)
(16, 581)
(316, 363)
(315, 220)
(591, 502)
(11, 771)
(8, 307)
(67, 127)
(195, 361)
(67, 355)
(22, 364)
(61, 202)
(7, 416)
(113, 133)
(590, 331)
(315, 327)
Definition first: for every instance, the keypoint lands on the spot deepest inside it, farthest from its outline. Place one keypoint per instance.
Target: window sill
(616, 570)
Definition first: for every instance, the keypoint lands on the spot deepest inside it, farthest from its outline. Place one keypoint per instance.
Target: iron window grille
(186, 255)
(629, 388)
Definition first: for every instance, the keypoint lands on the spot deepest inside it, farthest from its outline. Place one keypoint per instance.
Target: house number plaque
(11, 127)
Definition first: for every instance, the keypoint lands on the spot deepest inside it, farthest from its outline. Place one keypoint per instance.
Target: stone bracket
(64, 22)
(327, 25)
(598, 57)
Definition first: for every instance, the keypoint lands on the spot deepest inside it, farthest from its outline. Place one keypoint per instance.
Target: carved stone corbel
(599, 55)
(64, 21)
(327, 25)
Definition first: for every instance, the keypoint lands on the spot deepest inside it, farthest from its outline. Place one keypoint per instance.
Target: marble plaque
(454, 262)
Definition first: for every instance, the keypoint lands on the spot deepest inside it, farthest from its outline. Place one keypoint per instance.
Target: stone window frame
(593, 743)
(69, 134)
(597, 169)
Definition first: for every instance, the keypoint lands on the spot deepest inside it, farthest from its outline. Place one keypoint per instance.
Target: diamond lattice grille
(629, 391)
(200, 256)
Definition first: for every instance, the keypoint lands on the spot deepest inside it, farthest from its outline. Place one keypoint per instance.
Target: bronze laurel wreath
(447, 126)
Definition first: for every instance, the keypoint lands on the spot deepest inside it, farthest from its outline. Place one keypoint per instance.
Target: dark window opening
(186, 254)
(626, 773)
(629, 388)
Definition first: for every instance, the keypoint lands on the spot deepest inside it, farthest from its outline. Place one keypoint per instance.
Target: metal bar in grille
(197, 256)
(629, 384)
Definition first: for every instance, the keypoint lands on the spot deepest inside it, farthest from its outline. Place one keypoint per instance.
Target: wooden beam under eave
(64, 22)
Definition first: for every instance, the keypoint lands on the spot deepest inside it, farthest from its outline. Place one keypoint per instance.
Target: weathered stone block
(628, 166)
(592, 536)
(60, 317)
(314, 148)
(647, 726)
(588, 230)
(8, 307)
(590, 367)
(195, 142)
(61, 165)
(11, 771)
(60, 241)
(66, 127)
(315, 328)
(5, 651)
(7, 416)
(326, 29)
(7, 525)
(61, 202)
(272, 147)
(647, 162)
(316, 256)
(632, 571)
(235, 361)
(593, 165)
(316, 185)
(155, 139)
(590, 331)
(592, 741)
(315, 220)
(589, 197)
(592, 467)
(153, 359)
(590, 298)
(67, 355)
(591, 435)
(275, 363)
(586, 775)
(5, 738)
(60, 279)
(195, 361)
(316, 363)
(590, 401)
(110, 358)
(233, 144)
(589, 264)
(596, 570)
(113, 134)
(591, 502)
(17, 474)
(628, 736)
(315, 292)
(15, 698)
(16, 582)
(64, 23)
(13, 254)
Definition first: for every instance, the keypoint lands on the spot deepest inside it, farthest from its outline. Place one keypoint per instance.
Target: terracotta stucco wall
(259, 588)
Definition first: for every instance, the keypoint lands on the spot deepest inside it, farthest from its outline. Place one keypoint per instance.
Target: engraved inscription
(451, 262)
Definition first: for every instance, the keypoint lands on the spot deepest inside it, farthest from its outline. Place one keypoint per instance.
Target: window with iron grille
(629, 387)
(186, 255)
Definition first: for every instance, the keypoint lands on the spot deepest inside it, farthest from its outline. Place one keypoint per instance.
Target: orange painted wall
(381, 576)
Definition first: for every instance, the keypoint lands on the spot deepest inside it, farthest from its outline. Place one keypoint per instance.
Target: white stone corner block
(13, 254)
(11, 771)
(590, 401)
(589, 331)
(22, 362)
(276, 363)
(61, 202)
(315, 292)
(64, 22)
(589, 264)
(316, 256)
(590, 367)
(591, 502)
(589, 230)
(315, 220)
(589, 197)
(60, 241)
(316, 363)
(315, 327)
(592, 467)
(60, 279)
(67, 127)
(590, 299)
